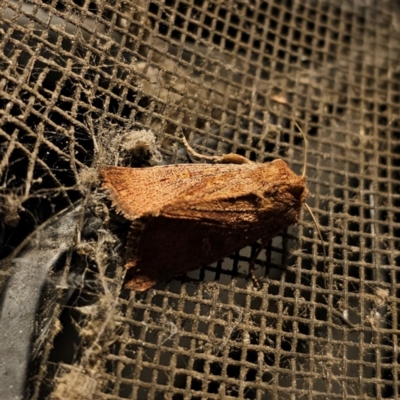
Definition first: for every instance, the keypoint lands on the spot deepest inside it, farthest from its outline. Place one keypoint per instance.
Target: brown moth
(186, 216)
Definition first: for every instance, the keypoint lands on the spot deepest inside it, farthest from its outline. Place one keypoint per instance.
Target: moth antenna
(230, 158)
(303, 175)
(193, 152)
(318, 230)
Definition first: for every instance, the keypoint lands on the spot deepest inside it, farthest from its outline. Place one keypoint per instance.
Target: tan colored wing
(229, 199)
(136, 192)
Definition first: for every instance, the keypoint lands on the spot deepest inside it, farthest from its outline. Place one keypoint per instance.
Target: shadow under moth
(186, 216)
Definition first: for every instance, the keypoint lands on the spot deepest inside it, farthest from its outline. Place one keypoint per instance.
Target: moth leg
(230, 158)
(252, 263)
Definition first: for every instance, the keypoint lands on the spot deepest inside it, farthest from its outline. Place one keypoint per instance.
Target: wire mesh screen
(83, 82)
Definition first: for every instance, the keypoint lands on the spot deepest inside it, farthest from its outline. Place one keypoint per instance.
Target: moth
(186, 216)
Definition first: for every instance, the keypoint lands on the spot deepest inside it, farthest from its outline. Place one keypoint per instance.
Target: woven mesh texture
(77, 76)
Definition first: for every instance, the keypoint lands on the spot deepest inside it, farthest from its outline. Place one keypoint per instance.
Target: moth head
(291, 187)
(298, 189)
